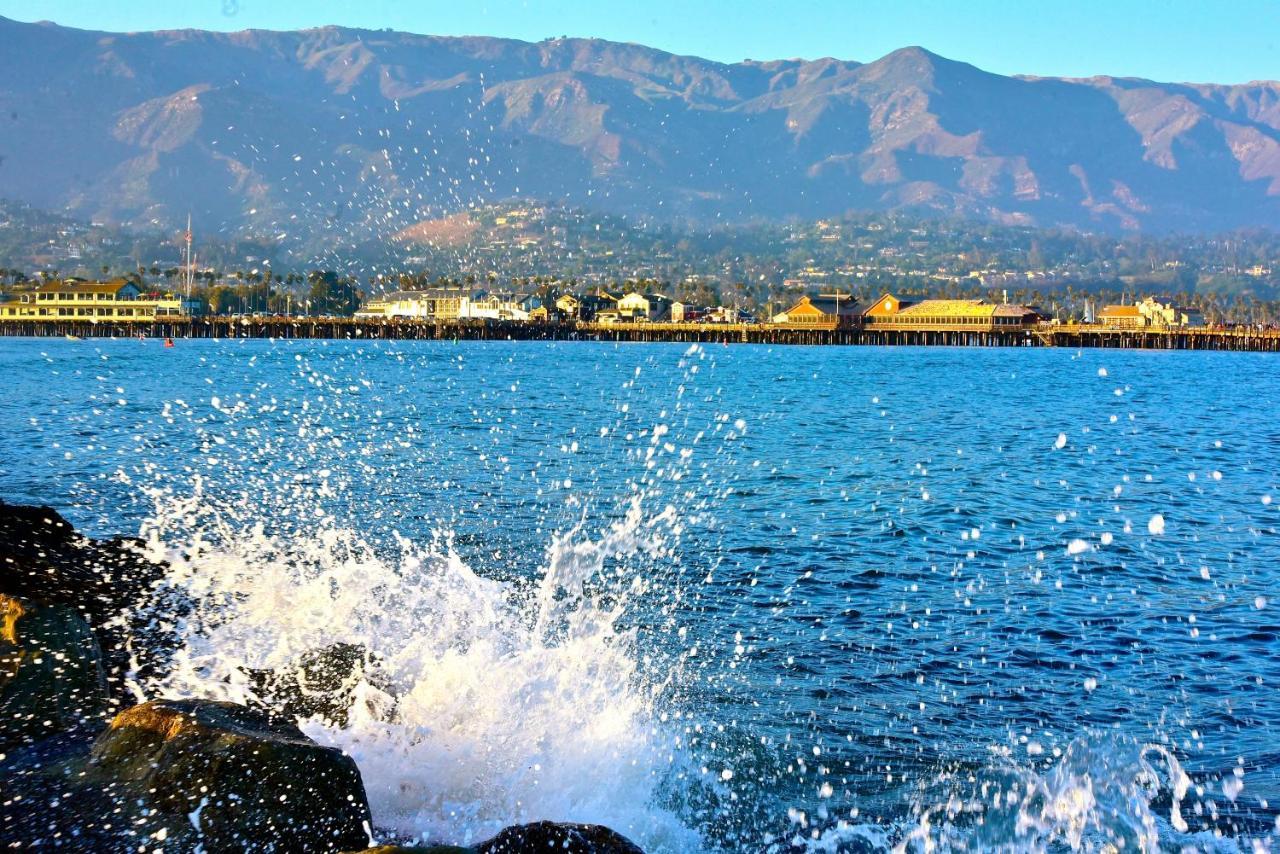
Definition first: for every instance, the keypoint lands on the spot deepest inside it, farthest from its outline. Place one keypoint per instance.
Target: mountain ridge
(340, 134)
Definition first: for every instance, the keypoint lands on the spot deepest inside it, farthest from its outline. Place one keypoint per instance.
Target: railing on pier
(1046, 335)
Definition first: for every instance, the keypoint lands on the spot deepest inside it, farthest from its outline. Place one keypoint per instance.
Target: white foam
(491, 704)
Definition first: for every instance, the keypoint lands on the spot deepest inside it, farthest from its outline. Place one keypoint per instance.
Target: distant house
(644, 308)
(568, 306)
(828, 310)
(601, 307)
(726, 314)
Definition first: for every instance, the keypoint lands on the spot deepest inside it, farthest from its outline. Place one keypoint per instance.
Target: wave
(476, 703)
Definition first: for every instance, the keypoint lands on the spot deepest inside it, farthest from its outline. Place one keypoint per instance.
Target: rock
(43, 561)
(51, 676)
(227, 777)
(545, 836)
(322, 682)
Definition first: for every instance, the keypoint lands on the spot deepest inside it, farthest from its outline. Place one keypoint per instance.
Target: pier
(400, 329)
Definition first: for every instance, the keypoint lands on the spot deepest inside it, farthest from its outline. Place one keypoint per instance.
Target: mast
(190, 271)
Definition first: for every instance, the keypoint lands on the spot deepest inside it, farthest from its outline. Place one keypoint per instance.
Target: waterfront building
(97, 301)
(1151, 312)
(439, 304)
(827, 310)
(601, 307)
(641, 308)
(686, 312)
(883, 310)
(948, 315)
(1121, 317)
(494, 306)
(1165, 313)
(569, 306)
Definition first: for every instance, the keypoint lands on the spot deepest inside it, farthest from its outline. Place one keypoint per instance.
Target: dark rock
(543, 837)
(322, 682)
(51, 677)
(227, 777)
(44, 561)
(546, 836)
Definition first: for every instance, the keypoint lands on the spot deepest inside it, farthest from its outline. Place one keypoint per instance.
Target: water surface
(722, 597)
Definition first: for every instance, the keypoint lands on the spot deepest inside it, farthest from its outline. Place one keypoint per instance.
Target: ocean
(738, 598)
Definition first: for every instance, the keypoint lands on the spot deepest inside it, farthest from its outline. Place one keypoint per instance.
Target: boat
(71, 337)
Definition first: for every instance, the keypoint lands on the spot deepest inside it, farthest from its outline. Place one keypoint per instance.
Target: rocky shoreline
(82, 768)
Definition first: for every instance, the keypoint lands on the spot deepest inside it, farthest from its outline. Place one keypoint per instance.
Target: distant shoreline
(335, 328)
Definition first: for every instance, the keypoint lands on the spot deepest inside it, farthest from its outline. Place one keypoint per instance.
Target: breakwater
(1070, 335)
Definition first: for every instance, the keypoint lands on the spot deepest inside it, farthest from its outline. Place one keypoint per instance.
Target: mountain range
(333, 136)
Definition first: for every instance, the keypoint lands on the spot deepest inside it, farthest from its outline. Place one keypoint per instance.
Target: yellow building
(827, 310)
(948, 315)
(638, 307)
(1122, 317)
(95, 301)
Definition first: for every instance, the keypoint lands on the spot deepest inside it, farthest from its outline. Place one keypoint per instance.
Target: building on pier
(1151, 313)
(826, 310)
(1122, 317)
(439, 304)
(948, 315)
(98, 301)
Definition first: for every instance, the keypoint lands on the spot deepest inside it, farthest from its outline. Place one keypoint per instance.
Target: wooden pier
(347, 328)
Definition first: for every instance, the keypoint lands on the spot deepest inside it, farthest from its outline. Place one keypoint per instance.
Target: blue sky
(1222, 41)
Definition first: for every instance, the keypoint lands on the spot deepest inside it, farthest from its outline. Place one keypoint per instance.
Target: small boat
(71, 337)
(168, 342)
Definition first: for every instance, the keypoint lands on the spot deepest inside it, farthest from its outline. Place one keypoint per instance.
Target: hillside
(324, 139)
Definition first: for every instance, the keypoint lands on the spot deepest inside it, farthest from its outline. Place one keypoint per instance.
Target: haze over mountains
(345, 135)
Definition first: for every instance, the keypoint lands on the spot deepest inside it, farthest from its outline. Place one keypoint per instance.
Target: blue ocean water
(831, 598)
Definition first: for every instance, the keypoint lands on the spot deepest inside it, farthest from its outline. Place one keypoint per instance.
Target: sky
(1219, 41)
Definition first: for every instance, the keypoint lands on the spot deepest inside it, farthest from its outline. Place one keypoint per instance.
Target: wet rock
(227, 777)
(44, 562)
(540, 837)
(322, 683)
(51, 676)
(566, 838)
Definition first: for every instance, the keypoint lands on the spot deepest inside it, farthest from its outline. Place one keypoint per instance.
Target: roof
(84, 287)
(1120, 311)
(878, 303)
(427, 293)
(1014, 311)
(950, 308)
(845, 306)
